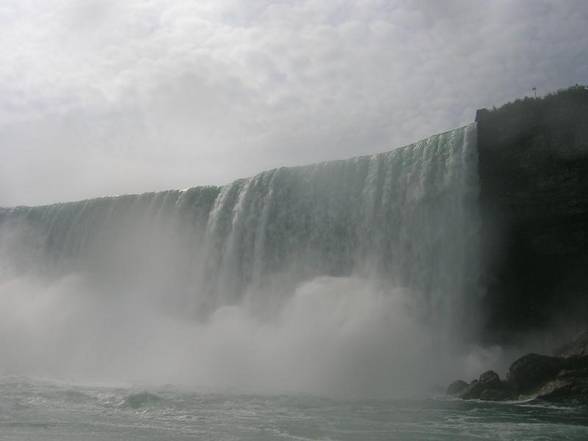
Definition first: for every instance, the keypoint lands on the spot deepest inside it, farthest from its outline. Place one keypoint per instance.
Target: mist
(346, 278)
(335, 336)
(293, 219)
(332, 337)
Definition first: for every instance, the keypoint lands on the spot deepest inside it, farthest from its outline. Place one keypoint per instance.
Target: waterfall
(405, 218)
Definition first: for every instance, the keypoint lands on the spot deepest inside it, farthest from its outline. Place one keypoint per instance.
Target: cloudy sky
(111, 96)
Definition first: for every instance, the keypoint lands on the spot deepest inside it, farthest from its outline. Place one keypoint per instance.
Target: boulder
(569, 390)
(489, 379)
(472, 392)
(554, 379)
(488, 387)
(530, 372)
(456, 388)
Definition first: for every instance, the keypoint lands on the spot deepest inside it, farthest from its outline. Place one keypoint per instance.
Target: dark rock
(570, 385)
(530, 372)
(567, 390)
(473, 391)
(457, 388)
(500, 394)
(577, 365)
(554, 379)
(488, 387)
(489, 378)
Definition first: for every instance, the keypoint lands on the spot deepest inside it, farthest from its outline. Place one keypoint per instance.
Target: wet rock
(488, 387)
(530, 372)
(565, 390)
(456, 388)
(489, 379)
(502, 393)
(472, 392)
(547, 378)
(576, 365)
(570, 385)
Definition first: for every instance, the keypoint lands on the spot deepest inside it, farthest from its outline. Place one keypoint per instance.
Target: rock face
(533, 167)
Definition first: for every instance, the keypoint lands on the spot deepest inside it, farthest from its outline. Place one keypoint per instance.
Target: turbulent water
(349, 279)
(52, 411)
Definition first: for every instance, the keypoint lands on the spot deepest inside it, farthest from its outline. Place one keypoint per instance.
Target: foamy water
(43, 410)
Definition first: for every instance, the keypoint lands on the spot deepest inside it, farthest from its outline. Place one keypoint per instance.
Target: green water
(41, 410)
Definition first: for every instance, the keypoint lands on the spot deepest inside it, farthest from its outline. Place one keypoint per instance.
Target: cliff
(533, 167)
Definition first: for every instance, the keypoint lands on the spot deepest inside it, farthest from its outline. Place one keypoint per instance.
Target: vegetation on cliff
(522, 116)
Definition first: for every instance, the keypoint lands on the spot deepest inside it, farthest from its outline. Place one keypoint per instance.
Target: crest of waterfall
(406, 218)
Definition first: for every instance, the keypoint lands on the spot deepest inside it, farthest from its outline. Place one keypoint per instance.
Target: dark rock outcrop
(488, 387)
(533, 168)
(547, 378)
(570, 384)
(530, 372)
(456, 388)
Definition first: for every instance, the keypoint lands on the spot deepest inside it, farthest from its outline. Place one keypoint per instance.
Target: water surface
(42, 410)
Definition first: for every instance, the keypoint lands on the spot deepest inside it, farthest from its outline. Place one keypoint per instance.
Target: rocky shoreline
(562, 377)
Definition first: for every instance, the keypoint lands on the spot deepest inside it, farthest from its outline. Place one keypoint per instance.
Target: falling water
(404, 220)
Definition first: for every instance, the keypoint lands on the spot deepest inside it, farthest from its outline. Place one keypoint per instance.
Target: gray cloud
(102, 97)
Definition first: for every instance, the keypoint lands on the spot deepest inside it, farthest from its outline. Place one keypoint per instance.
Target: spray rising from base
(335, 336)
(348, 277)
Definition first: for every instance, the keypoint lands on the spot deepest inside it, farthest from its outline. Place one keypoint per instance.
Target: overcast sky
(110, 96)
